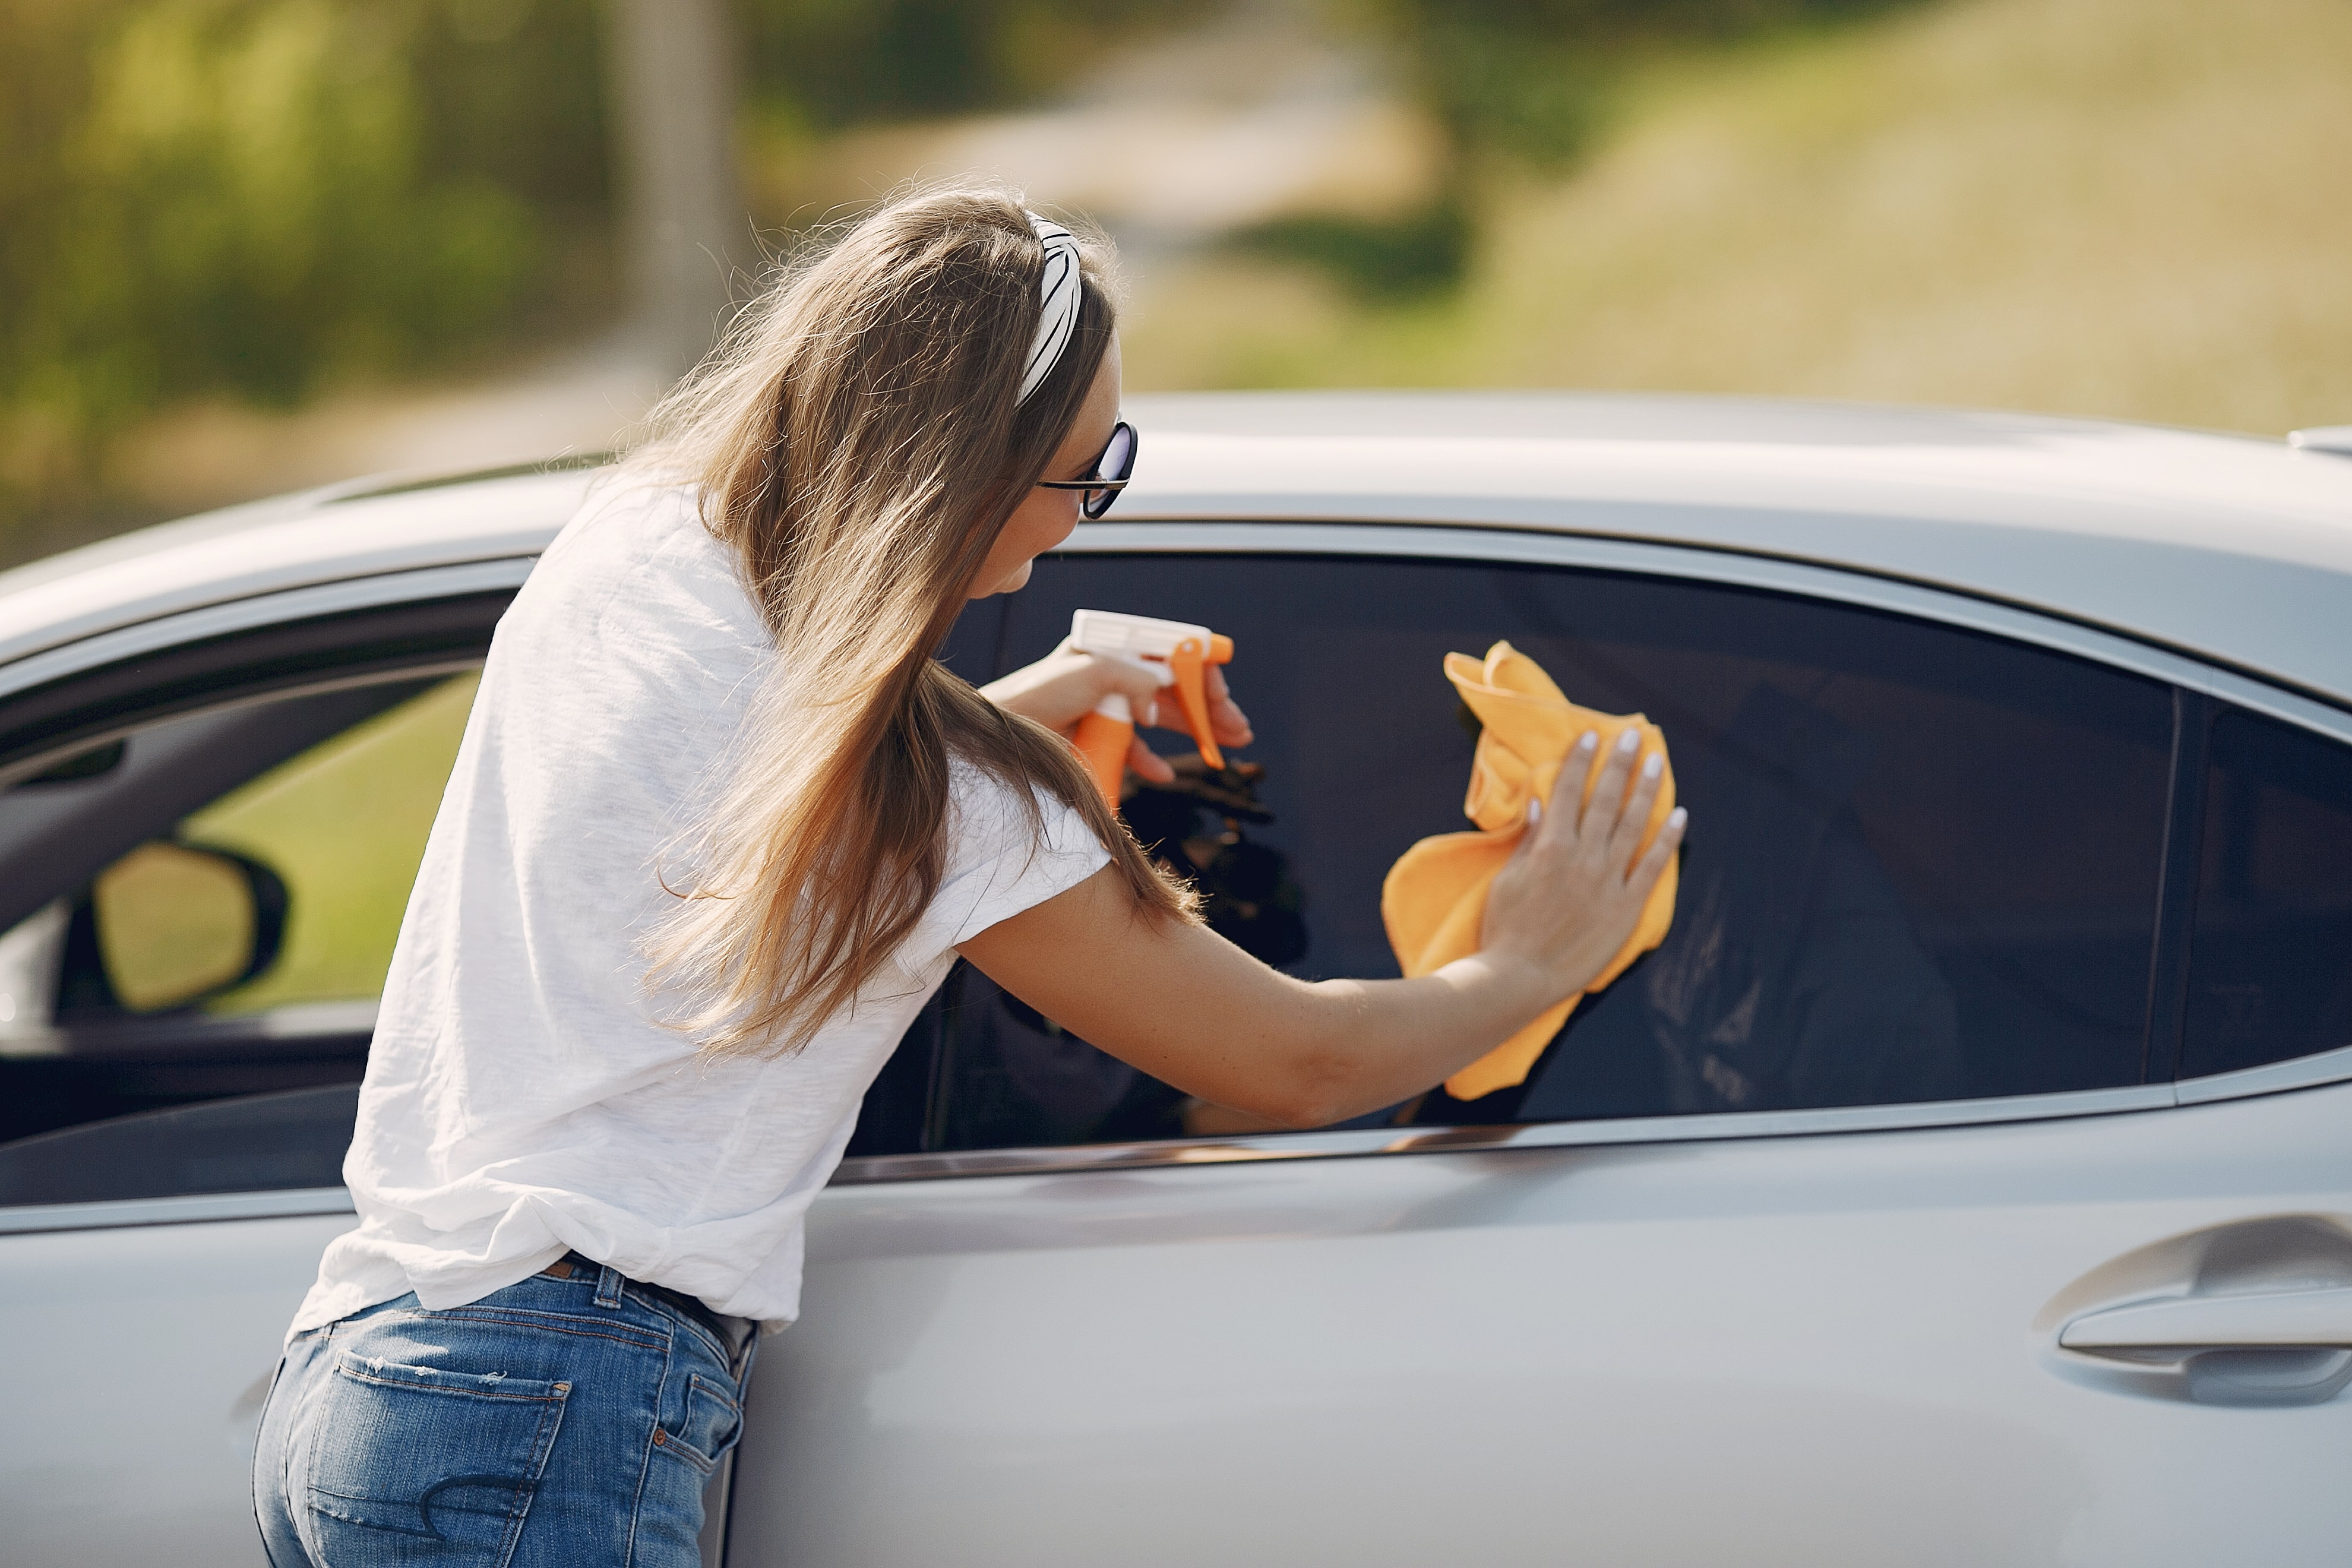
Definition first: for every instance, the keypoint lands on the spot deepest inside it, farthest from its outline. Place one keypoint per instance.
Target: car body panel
(1553, 1356)
(147, 1350)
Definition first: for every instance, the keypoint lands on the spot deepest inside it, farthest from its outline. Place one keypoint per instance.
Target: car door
(204, 850)
(1864, 1221)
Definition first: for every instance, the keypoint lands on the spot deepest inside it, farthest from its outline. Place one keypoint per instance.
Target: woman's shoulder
(991, 816)
(636, 562)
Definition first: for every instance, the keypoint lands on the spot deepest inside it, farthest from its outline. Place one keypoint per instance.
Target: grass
(2114, 207)
(345, 825)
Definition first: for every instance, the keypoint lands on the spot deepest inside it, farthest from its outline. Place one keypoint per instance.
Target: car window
(224, 893)
(2270, 964)
(344, 825)
(1923, 862)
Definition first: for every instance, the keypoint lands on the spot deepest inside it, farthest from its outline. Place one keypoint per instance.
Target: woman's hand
(1572, 890)
(1064, 687)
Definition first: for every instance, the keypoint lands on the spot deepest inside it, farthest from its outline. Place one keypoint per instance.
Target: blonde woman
(720, 824)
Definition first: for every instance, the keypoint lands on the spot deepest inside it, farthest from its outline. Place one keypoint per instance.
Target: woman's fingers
(1139, 681)
(1064, 687)
(1226, 721)
(1608, 802)
(1660, 854)
(1557, 816)
(1148, 765)
(1625, 835)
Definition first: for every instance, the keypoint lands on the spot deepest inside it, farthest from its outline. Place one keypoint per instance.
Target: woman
(718, 825)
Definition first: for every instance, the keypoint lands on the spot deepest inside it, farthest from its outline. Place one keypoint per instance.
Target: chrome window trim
(369, 592)
(1699, 564)
(120, 1212)
(1528, 1135)
(2270, 1078)
(2307, 1072)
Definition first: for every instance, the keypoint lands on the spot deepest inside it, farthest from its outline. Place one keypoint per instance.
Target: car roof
(2235, 549)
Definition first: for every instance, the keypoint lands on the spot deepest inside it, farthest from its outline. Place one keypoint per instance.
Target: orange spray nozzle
(1177, 652)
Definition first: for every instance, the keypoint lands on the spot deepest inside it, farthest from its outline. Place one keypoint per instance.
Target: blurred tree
(834, 63)
(252, 196)
(255, 197)
(1527, 81)
(1530, 77)
(684, 226)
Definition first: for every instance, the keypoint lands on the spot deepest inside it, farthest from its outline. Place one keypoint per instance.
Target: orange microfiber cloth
(1435, 896)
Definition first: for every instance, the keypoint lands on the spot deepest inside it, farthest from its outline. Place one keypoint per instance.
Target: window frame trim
(260, 611)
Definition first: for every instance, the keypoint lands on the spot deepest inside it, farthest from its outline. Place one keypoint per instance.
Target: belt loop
(608, 1286)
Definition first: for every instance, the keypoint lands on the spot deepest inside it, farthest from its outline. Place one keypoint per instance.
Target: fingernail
(1654, 766)
(1629, 741)
(1587, 741)
(1676, 817)
(1535, 811)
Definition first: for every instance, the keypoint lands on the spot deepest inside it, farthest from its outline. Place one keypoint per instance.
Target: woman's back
(523, 1094)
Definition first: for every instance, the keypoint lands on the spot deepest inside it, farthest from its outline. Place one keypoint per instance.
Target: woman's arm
(1192, 1009)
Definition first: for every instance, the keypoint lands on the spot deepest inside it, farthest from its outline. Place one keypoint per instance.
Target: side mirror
(170, 925)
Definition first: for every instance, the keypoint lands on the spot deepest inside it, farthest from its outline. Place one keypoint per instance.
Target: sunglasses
(1108, 476)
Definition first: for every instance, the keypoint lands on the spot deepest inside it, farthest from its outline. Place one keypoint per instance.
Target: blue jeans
(555, 1423)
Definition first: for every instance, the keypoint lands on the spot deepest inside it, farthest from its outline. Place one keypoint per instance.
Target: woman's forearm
(1363, 1044)
(1195, 1011)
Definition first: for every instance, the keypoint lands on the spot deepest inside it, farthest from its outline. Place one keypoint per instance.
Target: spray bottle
(1177, 654)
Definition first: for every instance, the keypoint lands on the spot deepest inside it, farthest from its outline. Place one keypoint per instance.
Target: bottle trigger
(1187, 663)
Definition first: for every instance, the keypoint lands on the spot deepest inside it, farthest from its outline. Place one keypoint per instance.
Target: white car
(1968, 1178)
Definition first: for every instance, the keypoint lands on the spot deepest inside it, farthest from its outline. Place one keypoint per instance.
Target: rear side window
(1923, 865)
(223, 891)
(2270, 964)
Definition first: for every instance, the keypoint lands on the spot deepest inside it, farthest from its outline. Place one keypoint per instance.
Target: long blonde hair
(855, 443)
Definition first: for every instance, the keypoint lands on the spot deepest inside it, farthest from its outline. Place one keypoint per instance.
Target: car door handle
(2198, 1322)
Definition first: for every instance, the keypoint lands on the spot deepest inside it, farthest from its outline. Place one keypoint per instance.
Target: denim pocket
(712, 1422)
(426, 1464)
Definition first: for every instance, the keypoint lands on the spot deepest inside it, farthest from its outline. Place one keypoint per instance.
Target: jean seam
(298, 1509)
(672, 1443)
(542, 1450)
(642, 1339)
(678, 1319)
(342, 1371)
(646, 1461)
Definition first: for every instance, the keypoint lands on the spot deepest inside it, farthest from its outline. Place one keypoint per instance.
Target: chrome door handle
(2273, 1318)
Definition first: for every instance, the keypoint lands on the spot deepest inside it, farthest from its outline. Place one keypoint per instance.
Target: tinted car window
(2270, 968)
(1923, 864)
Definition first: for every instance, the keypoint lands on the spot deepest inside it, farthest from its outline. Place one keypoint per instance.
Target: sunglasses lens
(1117, 462)
(1118, 458)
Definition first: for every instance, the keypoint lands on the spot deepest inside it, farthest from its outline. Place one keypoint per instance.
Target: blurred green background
(246, 244)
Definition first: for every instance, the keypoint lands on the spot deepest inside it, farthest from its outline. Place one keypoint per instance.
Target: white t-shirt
(522, 1097)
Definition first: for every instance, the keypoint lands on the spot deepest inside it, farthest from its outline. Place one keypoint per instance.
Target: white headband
(1059, 297)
